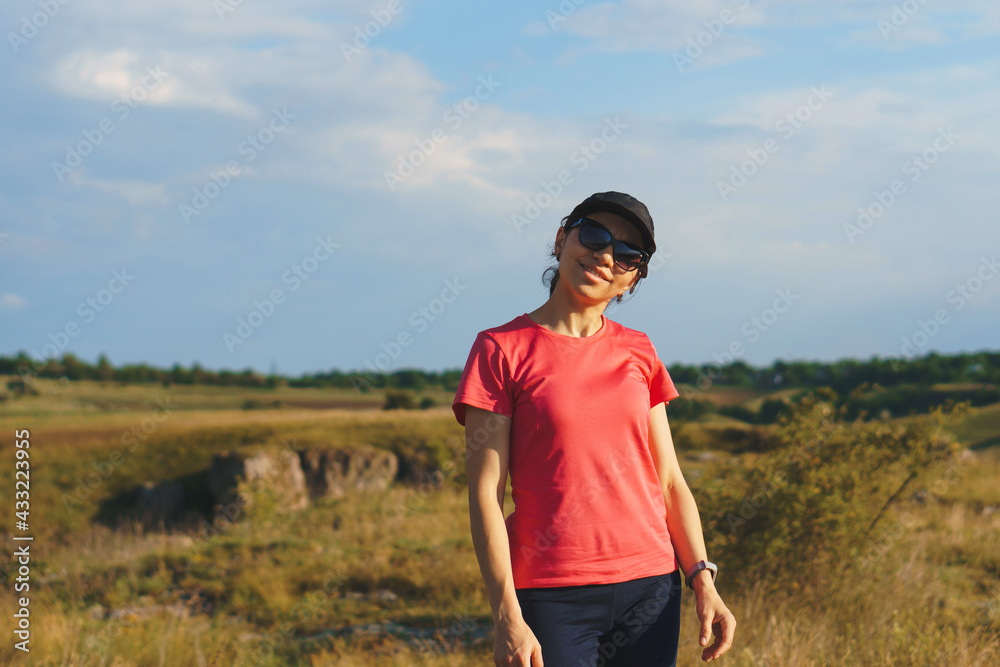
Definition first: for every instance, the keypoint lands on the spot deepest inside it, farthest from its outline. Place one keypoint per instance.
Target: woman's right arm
(487, 441)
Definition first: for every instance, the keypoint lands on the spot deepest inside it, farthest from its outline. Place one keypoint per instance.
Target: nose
(606, 255)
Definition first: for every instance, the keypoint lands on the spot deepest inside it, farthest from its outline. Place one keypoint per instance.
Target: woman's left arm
(684, 525)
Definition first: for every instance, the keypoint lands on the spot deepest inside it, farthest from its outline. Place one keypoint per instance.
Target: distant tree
(409, 379)
(738, 372)
(450, 380)
(180, 376)
(200, 376)
(104, 372)
(73, 368)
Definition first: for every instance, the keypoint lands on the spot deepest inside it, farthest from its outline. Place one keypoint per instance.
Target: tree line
(842, 376)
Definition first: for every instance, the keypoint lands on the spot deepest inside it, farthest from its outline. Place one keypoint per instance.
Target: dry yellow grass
(405, 556)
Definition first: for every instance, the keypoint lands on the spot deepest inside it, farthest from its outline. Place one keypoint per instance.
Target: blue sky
(245, 184)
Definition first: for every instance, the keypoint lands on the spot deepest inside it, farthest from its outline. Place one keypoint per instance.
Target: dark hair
(550, 277)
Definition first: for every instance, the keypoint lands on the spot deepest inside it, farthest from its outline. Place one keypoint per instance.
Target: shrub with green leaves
(805, 510)
(399, 400)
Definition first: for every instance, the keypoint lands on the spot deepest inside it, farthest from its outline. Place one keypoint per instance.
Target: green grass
(300, 588)
(981, 429)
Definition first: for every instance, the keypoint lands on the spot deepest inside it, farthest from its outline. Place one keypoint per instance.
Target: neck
(568, 316)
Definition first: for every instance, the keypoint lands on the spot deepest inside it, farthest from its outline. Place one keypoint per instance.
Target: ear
(560, 240)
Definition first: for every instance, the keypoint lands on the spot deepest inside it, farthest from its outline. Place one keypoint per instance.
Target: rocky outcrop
(330, 473)
(276, 471)
(237, 480)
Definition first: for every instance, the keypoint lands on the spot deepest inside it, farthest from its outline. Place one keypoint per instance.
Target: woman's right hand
(514, 645)
(487, 437)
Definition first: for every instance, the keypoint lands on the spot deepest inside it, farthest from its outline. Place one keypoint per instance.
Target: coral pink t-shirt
(588, 505)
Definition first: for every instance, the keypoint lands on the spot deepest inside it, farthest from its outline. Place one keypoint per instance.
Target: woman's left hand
(715, 619)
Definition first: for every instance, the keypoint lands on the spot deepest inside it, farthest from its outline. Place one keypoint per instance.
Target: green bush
(808, 506)
(399, 400)
(772, 410)
(740, 412)
(21, 388)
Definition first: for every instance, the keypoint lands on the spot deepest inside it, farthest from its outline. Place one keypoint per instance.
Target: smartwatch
(698, 567)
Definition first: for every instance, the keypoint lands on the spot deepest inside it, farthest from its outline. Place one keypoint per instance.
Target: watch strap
(698, 567)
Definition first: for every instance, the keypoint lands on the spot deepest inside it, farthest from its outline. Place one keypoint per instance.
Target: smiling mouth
(592, 271)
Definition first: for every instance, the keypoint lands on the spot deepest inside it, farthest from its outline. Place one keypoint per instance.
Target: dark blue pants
(629, 624)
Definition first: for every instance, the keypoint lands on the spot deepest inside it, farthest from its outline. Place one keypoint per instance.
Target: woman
(584, 571)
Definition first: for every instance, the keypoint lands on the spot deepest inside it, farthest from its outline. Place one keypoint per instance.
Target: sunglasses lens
(596, 237)
(626, 257)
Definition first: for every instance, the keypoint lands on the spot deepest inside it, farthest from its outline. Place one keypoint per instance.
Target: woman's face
(593, 273)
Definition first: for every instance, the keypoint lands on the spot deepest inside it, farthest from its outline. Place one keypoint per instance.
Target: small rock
(385, 595)
(178, 541)
(137, 612)
(53, 576)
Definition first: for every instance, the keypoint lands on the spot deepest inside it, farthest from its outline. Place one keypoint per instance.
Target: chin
(594, 292)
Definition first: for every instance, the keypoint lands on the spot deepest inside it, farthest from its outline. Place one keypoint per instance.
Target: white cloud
(12, 302)
(353, 119)
(135, 193)
(656, 26)
(132, 78)
(899, 118)
(665, 26)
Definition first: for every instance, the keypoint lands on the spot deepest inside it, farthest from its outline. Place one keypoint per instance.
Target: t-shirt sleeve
(661, 387)
(485, 382)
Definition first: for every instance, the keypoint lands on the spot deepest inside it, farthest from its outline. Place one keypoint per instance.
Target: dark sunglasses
(595, 236)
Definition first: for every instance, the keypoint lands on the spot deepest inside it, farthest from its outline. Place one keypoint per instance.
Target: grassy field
(390, 578)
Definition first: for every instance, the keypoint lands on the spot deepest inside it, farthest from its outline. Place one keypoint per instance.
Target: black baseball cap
(621, 204)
